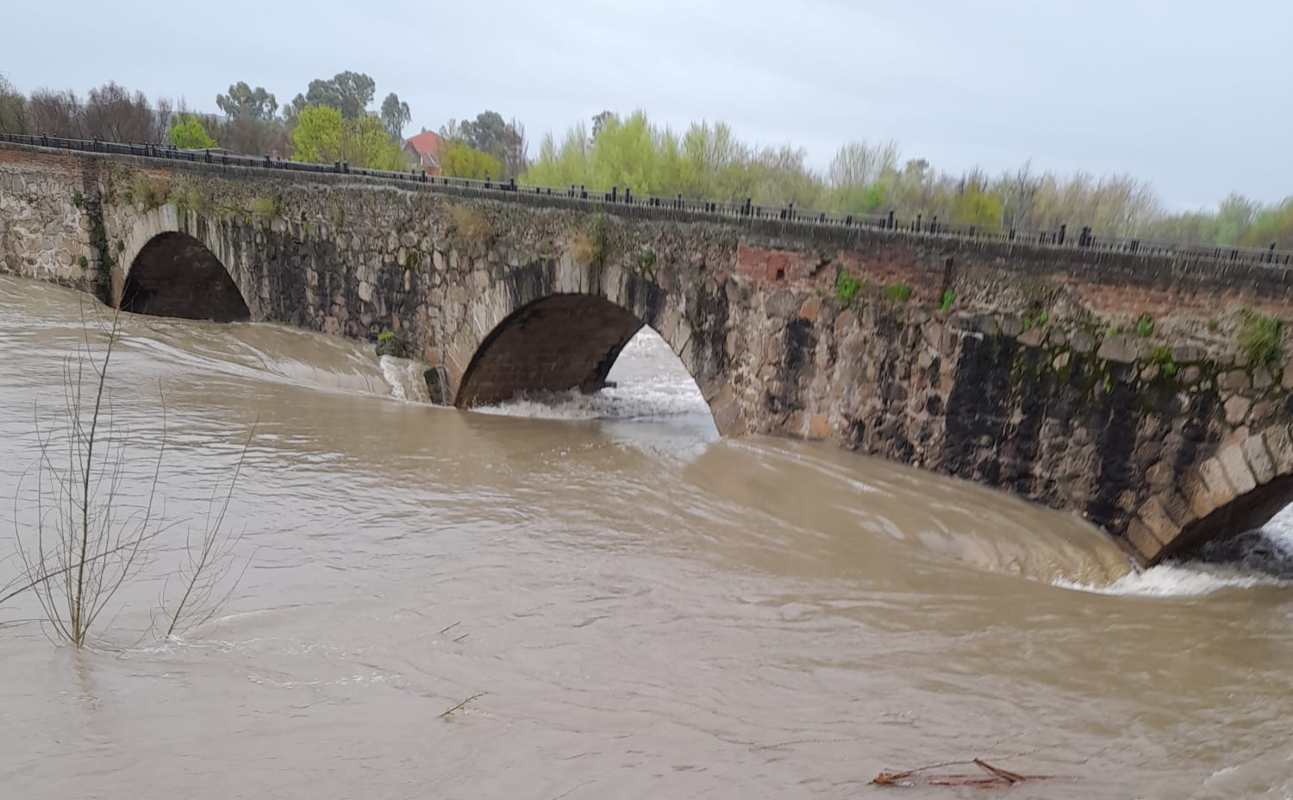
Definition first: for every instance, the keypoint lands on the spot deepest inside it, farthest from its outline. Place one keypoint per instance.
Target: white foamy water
(1265, 552)
(1279, 532)
(649, 384)
(1176, 580)
(407, 378)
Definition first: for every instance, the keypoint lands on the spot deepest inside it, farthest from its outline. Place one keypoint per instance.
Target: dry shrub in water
(82, 548)
(90, 537)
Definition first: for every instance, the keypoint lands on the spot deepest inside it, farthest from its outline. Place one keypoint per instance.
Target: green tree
(459, 160)
(317, 136)
(244, 102)
(1234, 216)
(13, 109)
(365, 142)
(348, 92)
(706, 161)
(395, 115)
(491, 134)
(976, 206)
(322, 135)
(1272, 224)
(187, 133)
(600, 120)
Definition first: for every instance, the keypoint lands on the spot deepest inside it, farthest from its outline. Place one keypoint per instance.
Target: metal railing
(1060, 238)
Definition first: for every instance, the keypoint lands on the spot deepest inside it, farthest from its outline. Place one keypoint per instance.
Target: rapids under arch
(176, 275)
(553, 344)
(1239, 489)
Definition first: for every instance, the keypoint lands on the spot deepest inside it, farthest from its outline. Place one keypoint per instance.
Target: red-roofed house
(425, 150)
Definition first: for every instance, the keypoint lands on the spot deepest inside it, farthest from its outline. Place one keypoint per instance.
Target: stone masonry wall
(1111, 385)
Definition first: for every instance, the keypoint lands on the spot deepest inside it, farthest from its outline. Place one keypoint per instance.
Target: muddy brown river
(639, 608)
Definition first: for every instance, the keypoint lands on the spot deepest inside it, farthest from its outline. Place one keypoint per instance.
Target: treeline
(708, 160)
(332, 120)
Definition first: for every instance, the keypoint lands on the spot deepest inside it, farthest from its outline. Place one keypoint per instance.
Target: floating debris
(995, 777)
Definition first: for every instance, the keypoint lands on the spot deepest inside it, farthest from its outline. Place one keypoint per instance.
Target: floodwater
(638, 608)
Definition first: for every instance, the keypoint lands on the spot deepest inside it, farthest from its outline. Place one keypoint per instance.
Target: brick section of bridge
(1033, 379)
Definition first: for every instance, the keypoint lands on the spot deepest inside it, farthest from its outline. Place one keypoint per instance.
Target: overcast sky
(1196, 97)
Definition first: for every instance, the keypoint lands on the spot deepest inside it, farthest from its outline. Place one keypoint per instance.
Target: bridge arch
(169, 267)
(554, 326)
(1241, 487)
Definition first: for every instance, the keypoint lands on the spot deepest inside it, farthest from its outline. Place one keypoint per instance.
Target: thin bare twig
(80, 550)
(445, 714)
(996, 776)
(211, 562)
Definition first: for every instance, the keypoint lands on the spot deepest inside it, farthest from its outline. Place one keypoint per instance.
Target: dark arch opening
(561, 342)
(1227, 532)
(175, 275)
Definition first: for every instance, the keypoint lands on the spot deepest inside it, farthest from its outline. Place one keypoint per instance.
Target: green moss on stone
(846, 287)
(898, 292)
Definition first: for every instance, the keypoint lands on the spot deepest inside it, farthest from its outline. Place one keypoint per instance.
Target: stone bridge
(1147, 391)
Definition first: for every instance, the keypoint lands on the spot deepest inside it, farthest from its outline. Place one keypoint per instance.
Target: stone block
(1187, 354)
(782, 304)
(1143, 541)
(974, 323)
(1119, 349)
(1161, 475)
(933, 333)
(1259, 461)
(1214, 475)
(1262, 410)
(1177, 508)
(1032, 337)
(1236, 467)
(819, 427)
(1199, 495)
(1280, 445)
(1082, 342)
(1156, 518)
(1237, 409)
(1236, 380)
